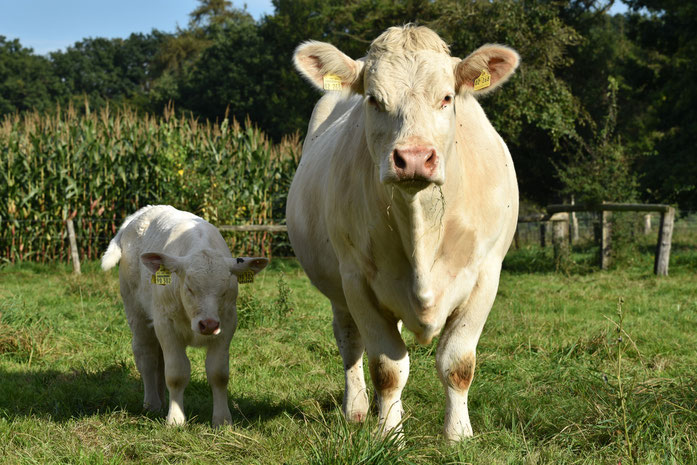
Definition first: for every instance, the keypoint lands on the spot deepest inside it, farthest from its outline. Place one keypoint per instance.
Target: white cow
(403, 207)
(196, 308)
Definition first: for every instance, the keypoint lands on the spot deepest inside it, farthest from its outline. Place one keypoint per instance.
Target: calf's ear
(328, 68)
(497, 61)
(243, 264)
(153, 260)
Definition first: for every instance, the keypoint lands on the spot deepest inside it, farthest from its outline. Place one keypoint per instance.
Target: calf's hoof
(220, 420)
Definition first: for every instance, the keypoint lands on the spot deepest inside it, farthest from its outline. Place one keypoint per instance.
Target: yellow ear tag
(332, 82)
(246, 277)
(483, 81)
(162, 276)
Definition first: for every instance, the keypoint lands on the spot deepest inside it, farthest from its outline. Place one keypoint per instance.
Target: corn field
(98, 167)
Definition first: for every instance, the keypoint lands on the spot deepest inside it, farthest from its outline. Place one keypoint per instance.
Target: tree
(26, 81)
(667, 34)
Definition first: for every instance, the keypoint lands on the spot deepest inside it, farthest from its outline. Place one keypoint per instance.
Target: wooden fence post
(665, 236)
(560, 224)
(543, 233)
(647, 224)
(573, 225)
(73, 247)
(605, 239)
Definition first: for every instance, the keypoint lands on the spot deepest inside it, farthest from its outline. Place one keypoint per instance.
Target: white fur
(166, 319)
(384, 251)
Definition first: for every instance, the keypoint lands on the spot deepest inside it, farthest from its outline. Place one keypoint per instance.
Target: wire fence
(588, 223)
(46, 241)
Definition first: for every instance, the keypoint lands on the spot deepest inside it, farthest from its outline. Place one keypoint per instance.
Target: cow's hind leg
(455, 359)
(348, 339)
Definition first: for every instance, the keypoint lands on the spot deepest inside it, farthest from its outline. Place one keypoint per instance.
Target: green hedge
(97, 168)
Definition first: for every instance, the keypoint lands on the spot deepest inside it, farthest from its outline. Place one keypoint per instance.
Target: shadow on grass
(59, 396)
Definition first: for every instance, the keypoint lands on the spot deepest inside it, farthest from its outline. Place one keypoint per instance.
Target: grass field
(552, 385)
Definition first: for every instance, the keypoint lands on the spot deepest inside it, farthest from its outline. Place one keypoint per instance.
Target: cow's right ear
(153, 260)
(328, 68)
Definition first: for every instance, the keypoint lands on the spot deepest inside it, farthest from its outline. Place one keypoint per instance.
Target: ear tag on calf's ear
(483, 81)
(246, 277)
(332, 82)
(162, 276)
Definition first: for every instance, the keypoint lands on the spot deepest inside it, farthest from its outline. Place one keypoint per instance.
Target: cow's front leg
(218, 374)
(387, 354)
(455, 359)
(348, 339)
(177, 372)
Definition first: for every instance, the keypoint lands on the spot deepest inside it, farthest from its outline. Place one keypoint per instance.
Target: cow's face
(207, 285)
(410, 84)
(409, 116)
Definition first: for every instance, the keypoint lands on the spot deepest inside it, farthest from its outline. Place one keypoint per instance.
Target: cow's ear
(328, 68)
(243, 264)
(485, 69)
(153, 260)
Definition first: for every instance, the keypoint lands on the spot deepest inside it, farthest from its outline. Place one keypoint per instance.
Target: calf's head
(410, 86)
(206, 284)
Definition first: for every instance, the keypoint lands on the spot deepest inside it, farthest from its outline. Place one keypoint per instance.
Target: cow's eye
(189, 289)
(373, 101)
(447, 100)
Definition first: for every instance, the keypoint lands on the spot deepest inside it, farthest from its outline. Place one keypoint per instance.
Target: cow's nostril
(399, 162)
(201, 326)
(431, 160)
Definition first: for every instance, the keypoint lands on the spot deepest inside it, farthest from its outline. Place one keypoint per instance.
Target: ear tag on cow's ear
(246, 277)
(332, 82)
(483, 81)
(162, 276)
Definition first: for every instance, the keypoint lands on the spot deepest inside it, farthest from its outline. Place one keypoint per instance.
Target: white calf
(193, 306)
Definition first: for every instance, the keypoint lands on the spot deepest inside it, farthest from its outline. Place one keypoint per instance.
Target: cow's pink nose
(415, 163)
(209, 326)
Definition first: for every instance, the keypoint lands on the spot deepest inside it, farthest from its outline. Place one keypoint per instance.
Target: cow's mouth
(413, 186)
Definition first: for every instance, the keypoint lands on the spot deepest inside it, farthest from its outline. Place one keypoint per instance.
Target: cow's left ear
(243, 264)
(328, 68)
(490, 66)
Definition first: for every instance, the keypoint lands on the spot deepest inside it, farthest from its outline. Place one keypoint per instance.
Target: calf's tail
(112, 255)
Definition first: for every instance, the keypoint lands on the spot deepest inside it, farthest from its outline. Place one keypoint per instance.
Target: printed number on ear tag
(246, 277)
(332, 82)
(483, 81)
(162, 276)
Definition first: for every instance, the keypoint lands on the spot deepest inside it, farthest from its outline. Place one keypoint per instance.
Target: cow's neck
(419, 221)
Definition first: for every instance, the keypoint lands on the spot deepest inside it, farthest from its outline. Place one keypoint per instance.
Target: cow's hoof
(356, 417)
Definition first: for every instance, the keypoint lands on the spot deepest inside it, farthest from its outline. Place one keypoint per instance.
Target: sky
(50, 25)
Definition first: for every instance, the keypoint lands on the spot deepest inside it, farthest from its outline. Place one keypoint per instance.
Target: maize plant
(97, 168)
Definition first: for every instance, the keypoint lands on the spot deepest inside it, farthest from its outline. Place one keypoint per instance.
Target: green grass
(546, 389)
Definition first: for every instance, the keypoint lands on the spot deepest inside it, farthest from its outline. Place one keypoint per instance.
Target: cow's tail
(113, 253)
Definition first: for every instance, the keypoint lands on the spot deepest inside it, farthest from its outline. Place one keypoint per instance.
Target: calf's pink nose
(209, 326)
(415, 163)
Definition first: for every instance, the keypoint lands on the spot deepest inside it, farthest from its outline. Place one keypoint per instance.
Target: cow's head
(207, 284)
(409, 83)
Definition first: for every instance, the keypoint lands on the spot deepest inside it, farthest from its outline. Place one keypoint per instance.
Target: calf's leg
(148, 356)
(177, 372)
(218, 374)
